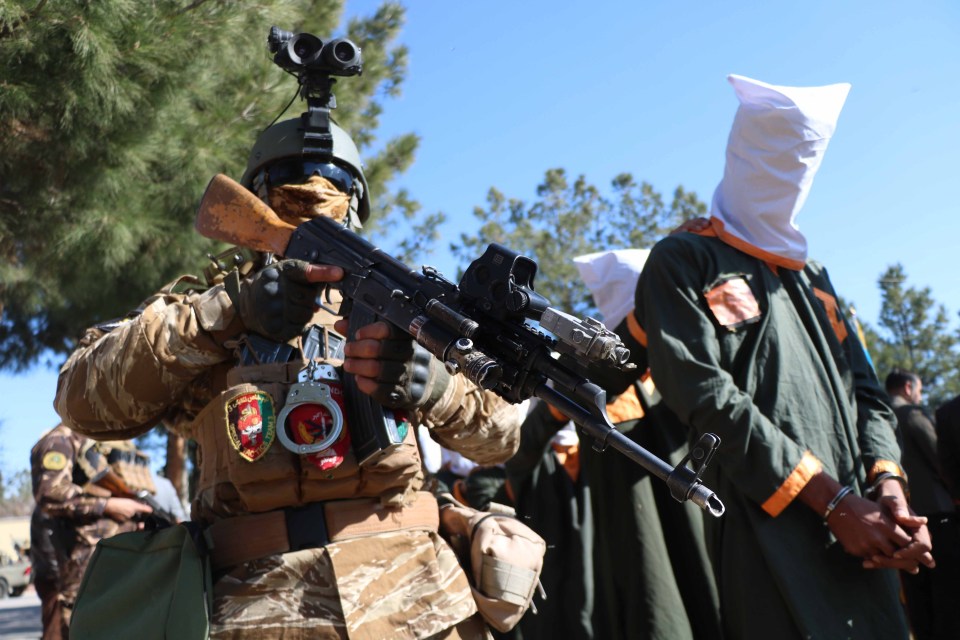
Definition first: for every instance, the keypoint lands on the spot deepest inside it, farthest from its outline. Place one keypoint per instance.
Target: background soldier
(44, 536)
(71, 515)
(931, 593)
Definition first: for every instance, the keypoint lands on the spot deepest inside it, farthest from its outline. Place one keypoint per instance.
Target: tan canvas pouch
(505, 558)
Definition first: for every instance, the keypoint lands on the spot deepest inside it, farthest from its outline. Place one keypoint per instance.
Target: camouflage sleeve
(56, 494)
(120, 384)
(475, 423)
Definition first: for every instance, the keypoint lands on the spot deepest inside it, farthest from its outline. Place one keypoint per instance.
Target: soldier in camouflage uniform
(304, 546)
(77, 513)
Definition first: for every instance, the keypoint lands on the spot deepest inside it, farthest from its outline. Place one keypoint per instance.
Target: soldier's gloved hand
(279, 300)
(392, 368)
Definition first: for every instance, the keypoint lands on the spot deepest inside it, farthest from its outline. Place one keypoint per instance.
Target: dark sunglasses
(297, 171)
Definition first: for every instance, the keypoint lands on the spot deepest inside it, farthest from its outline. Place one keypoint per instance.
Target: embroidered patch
(251, 424)
(732, 302)
(309, 423)
(54, 461)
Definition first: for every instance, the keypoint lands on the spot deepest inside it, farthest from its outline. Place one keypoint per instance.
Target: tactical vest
(244, 468)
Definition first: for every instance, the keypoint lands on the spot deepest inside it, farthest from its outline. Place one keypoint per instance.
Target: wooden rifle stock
(109, 480)
(231, 213)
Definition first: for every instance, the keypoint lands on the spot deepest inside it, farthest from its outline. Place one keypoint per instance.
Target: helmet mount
(314, 136)
(314, 63)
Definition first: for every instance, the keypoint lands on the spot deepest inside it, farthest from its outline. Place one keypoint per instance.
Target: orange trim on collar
(633, 326)
(884, 466)
(808, 467)
(751, 250)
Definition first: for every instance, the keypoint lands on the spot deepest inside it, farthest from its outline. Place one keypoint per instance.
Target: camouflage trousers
(400, 585)
(71, 573)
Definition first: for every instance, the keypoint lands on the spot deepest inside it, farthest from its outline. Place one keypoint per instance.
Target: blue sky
(502, 91)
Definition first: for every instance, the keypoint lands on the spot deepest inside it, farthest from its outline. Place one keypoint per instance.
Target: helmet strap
(353, 218)
(260, 185)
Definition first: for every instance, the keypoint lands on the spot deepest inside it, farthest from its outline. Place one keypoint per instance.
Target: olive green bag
(145, 585)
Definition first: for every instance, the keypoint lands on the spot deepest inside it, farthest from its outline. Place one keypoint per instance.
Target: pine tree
(574, 218)
(114, 115)
(914, 334)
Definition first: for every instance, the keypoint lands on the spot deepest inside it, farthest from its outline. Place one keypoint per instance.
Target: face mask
(297, 203)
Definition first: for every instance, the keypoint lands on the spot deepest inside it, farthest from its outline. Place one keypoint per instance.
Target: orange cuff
(626, 407)
(881, 466)
(808, 467)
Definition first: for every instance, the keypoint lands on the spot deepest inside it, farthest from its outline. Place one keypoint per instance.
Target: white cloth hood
(775, 148)
(566, 436)
(611, 277)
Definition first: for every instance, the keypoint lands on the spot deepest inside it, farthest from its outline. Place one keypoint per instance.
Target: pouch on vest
(144, 585)
(505, 557)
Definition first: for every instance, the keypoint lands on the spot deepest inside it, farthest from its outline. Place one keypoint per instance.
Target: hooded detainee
(745, 339)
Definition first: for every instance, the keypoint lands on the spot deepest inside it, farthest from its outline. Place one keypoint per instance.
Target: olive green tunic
(624, 559)
(558, 508)
(762, 357)
(652, 572)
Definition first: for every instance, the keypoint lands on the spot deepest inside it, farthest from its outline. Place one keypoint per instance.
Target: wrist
(819, 491)
(888, 483)
(842, 493)
(437, 386)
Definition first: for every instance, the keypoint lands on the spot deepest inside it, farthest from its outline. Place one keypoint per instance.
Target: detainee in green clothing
(745, 339)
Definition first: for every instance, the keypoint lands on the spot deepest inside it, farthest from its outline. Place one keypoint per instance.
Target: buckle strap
(241, 539)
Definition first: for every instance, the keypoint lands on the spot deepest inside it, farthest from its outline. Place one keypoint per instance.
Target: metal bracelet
(836, 501)
(886, 475)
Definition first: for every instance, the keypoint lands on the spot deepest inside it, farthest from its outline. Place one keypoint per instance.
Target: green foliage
(914, 334)
(569, 219)
(16, 494)
(114, 115)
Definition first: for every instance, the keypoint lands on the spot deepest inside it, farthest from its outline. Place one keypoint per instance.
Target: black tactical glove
(410, 376)
(277, 302)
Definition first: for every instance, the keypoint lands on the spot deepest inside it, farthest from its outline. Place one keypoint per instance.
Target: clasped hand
(885, 532)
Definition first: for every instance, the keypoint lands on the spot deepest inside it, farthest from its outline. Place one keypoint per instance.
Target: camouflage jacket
(62, 494)
(174, 361)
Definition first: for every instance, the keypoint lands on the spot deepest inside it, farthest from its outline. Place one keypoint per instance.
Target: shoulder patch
(54, 461)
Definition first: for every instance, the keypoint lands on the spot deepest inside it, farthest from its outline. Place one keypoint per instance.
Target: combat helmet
(290, 146)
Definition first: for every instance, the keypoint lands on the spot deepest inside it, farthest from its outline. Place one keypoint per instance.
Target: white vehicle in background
(15, 575)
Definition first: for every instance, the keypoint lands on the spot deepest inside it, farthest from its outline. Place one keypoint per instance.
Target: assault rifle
(109, 479)
(482, 328)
